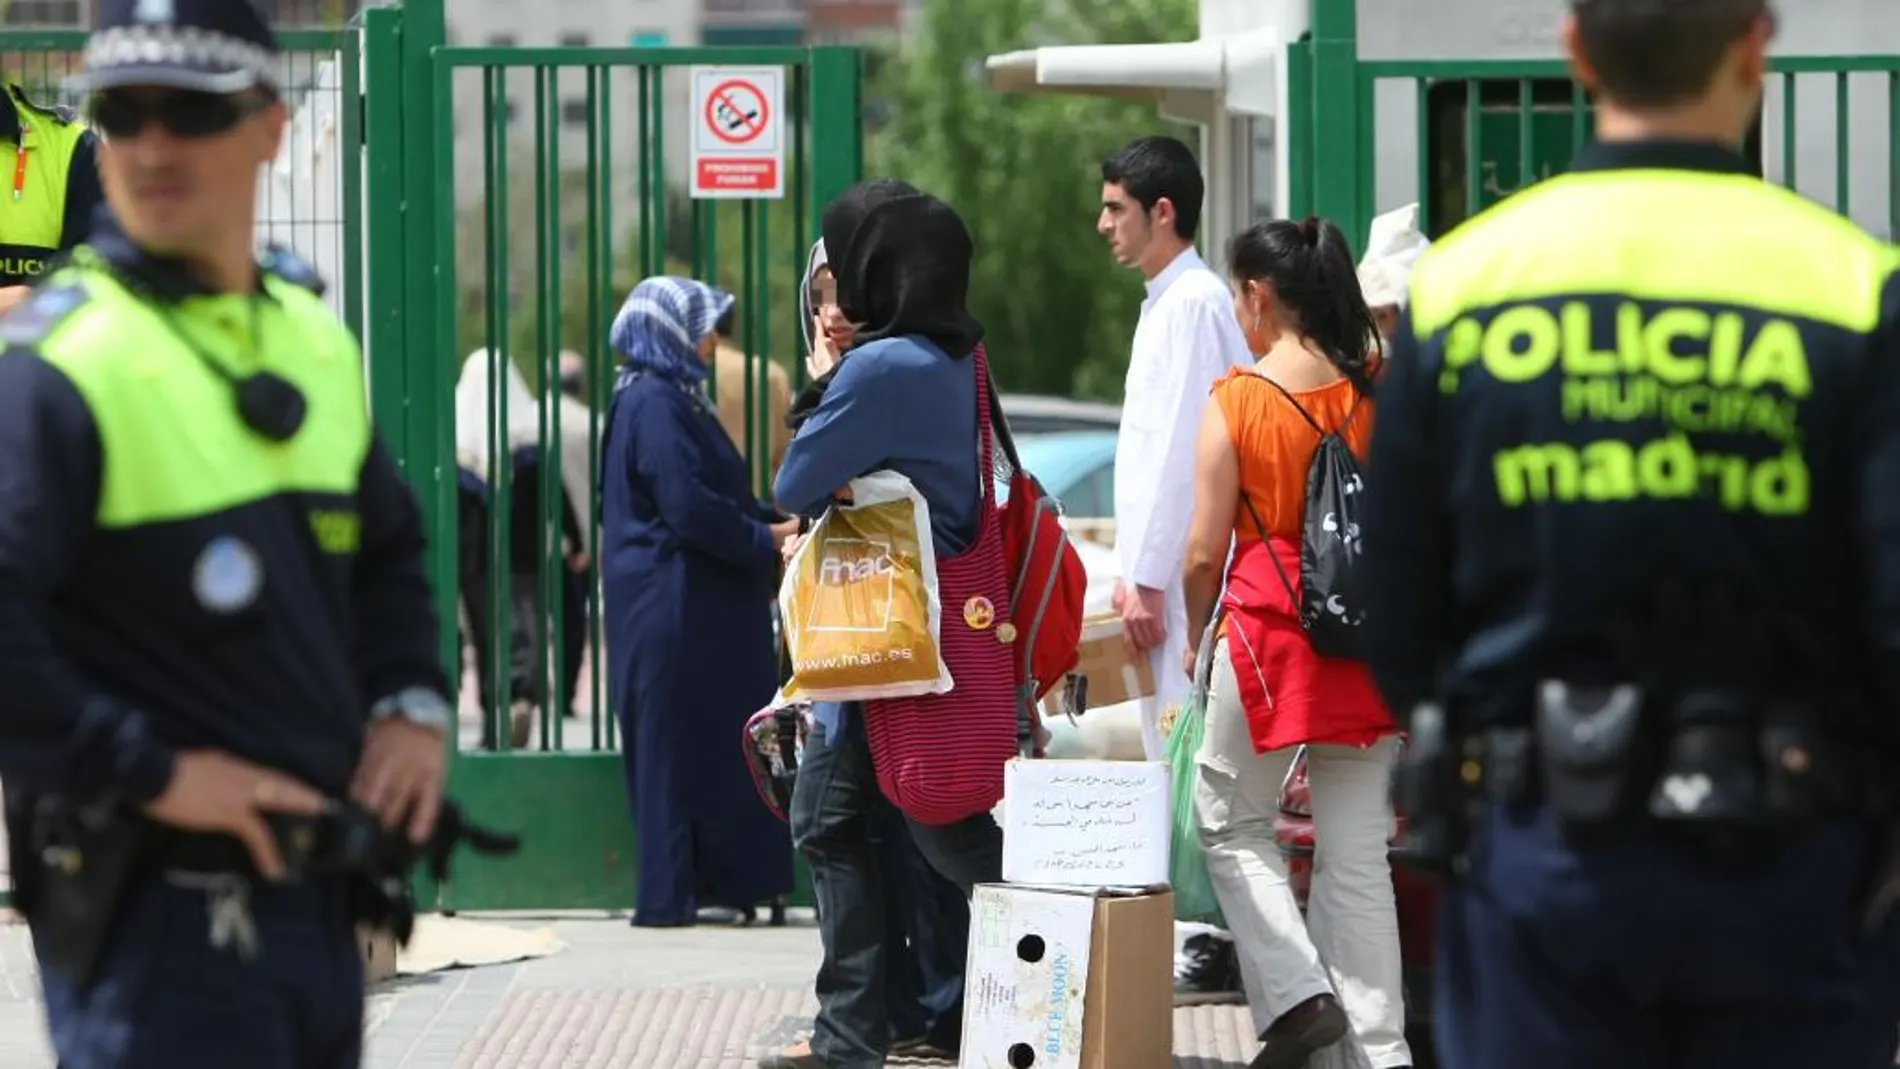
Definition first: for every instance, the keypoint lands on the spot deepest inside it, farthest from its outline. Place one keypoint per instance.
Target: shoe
(1208, 970)
(794, 1057)
(520, 724)
(920, 1049)
(1301, 1032)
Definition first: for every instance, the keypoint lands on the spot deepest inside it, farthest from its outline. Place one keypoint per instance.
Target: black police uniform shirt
(24, 265)
(265, 628)
(1658, 365)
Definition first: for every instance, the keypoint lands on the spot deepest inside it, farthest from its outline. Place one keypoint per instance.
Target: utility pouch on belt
(1592, 754)
(1712, 775)
(1428, 786)
(82, 858)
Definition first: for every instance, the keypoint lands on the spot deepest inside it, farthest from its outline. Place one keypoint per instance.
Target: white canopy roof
(1239, 65)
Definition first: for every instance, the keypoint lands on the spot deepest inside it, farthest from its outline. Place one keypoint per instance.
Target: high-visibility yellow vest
(132, 361)
(33, 200)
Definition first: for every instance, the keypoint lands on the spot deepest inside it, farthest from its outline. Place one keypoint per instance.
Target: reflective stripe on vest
(173, 444)
(31, 222)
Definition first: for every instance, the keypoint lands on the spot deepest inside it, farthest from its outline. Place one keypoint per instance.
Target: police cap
(212, 46)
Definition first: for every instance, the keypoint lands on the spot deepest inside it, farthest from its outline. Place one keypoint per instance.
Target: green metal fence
(1458, 135)
(313, 200)
(561, 186)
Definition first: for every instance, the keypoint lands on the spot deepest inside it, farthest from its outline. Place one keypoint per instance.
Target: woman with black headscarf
(904, 399)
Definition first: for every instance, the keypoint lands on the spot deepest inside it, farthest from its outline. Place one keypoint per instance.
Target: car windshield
(1077, 467)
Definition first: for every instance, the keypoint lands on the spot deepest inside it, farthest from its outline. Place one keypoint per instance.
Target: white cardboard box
(1086, 823)
(1063, 978)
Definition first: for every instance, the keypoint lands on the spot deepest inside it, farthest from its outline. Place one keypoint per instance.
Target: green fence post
(426, 355)
(383, 193)
(1338, 154)
(837, 132)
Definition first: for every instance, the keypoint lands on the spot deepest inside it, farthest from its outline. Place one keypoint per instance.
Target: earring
(1256, 324)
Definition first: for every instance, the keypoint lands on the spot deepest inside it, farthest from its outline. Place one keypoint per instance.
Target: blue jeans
(927, 936)
(1640, 955)
(162, 998)
(837, 813)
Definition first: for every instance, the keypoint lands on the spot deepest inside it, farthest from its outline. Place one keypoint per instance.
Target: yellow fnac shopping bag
(859, 604)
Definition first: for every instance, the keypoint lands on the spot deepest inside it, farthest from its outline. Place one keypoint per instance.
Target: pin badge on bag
(979, 613)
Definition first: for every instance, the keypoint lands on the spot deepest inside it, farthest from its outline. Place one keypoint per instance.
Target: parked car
(1078, 467)
(1417, 898)
(1031, 413)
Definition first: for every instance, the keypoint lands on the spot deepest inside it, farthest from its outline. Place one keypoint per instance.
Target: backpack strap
(1359, 396)
(1266, 544)
(999, 424)
(1297, 407)
(988, 416)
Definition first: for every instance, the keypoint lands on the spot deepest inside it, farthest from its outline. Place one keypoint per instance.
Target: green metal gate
(555, 191)
(1459, 135)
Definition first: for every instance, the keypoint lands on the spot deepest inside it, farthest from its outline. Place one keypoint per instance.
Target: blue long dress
(690, 571)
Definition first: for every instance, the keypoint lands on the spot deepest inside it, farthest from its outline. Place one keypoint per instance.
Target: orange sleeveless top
(1291, 694)
(1276, 446)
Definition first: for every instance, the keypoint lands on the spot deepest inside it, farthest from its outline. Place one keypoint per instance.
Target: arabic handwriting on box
(1100, 814)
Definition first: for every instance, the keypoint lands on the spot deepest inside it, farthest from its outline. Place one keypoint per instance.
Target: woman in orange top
(1298, 299)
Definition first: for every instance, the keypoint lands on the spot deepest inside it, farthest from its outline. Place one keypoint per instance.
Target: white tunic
(1186, 340)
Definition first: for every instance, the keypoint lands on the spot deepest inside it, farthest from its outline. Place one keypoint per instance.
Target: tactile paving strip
(702, 1028)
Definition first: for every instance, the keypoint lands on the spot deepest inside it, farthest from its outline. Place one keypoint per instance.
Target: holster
(1596, 759)
(1430, 787)
(79, 861)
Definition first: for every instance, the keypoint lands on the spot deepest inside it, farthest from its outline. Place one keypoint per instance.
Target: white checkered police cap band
(184, 57)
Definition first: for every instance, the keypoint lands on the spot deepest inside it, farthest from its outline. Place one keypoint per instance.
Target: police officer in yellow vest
(1633, 544)
(53, 192)
(213, 609)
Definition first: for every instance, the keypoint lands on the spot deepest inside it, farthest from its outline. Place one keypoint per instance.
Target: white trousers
(1171, 680)
(1351, 948)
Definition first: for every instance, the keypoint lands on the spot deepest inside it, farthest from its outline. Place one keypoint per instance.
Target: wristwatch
(418, 705)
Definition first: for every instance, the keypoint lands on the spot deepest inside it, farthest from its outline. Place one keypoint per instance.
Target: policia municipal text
(217, 644)
(1633, 541)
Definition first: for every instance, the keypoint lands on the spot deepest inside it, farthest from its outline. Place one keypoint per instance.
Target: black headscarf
(903, 267)
(847, 211)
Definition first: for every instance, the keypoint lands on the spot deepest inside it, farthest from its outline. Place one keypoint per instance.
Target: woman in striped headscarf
(689, 560)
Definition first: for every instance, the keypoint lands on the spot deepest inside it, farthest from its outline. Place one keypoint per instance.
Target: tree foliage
(1023, 171)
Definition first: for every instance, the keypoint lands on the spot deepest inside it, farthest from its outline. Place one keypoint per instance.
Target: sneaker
(1208, 970)
(920, 1049)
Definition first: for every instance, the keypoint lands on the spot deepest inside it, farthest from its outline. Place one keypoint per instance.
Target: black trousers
(834, 818)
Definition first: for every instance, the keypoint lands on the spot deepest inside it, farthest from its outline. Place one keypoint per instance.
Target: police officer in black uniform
(1633, 537)
(215, 628)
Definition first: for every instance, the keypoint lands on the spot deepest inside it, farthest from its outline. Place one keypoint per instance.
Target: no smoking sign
(738, 140)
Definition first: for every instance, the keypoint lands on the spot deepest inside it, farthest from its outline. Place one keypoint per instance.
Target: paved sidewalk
(616, 998)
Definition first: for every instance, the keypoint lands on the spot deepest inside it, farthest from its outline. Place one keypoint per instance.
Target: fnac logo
(854, 560)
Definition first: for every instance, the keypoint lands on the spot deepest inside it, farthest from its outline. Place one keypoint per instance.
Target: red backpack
(1047, 583)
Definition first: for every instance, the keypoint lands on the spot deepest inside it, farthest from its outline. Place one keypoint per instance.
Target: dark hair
(1151, 168)
(1658, 53)
(723, 327)
(1310, 268)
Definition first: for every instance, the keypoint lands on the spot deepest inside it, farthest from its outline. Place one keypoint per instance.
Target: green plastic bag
(1187, 870)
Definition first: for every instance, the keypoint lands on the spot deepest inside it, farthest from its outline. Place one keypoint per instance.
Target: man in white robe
(1186, 340)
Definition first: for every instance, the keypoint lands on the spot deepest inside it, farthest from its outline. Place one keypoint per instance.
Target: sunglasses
(185, 113)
